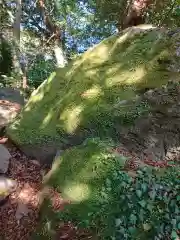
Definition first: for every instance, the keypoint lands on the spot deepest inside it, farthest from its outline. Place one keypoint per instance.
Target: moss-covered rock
(80, 100)
(78, 177)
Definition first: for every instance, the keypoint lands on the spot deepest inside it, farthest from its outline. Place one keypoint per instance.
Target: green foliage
(164, 12)
(134, 111)
(147, 208)
(107, 201)
(40, 70)
(5, 57)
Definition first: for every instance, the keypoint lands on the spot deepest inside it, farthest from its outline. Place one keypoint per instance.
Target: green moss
(82, 96)
(78, 175)
(81, 170)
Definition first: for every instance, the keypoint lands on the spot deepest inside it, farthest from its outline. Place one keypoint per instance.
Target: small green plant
(145, 208)
(135, 111)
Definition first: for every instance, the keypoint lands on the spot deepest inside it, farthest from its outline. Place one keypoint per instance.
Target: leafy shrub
(40, 70)
(5, 58)
(147, 208)
(114, 205)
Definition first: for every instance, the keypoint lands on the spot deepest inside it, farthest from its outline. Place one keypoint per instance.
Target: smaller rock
(12, 95)
(7, 186)
(4, 159)
(11, 102)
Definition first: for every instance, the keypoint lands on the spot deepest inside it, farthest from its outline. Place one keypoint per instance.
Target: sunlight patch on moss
(86, 174)
(119, 41)
(71, 118)
(113, 69)
(36, 98)
(92, 93)
(100, 55)
(77, 192)
(136, 76)
(129, 77)
(51, 77)
(47, 119)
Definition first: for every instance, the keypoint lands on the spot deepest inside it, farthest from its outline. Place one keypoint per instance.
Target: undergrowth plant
(107, 201)
(145, 208)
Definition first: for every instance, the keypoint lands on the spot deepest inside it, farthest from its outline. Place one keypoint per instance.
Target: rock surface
(7, 186)
(157, 136)
(4, 159)
(11, 102)
(12, 95)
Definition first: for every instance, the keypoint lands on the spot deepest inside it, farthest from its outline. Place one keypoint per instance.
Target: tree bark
(18, 64)
(17, 21)
(135, 13)
(55, 35)
(16, 39)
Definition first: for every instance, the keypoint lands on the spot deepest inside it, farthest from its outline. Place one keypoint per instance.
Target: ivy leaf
(173, 203)
(141, 215)
(130, 205)
(147, 226)
(150, 207)
(144, 187)
(174, 235)
(142, 203)
(139, 193)
(176, 209)
(118, 222)
(166, 199)
(173, 221)
(132, 230)
(108, 182)
(133, 219)
(122, 230)
(178, 226)
(152, 194)
(122, 160)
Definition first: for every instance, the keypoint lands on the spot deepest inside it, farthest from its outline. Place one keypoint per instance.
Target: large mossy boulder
(80, 100)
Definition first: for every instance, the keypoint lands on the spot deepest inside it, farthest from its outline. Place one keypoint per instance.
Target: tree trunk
(55, 35)
(59, 55)
(17, 21)
(18, 65)
(135, 13)
(16, 39)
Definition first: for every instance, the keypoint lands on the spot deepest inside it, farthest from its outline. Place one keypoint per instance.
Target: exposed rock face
(11, 102)
(12, 95)
(4, 159)
(157, 135)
